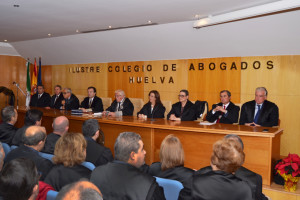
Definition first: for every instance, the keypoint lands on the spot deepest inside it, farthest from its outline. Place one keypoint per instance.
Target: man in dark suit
(7, 129)
(56, 98)
(259, 112)
(92, 102)
(33, 142)
(41, 98)
(123, 174)
(120, 106)
(70, 101)
(95, 153)
(224, 112)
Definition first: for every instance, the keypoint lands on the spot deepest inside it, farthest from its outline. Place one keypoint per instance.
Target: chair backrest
(171, 187)
(202, 109)
(138, 104)
(106, 102)
(88, 165)
(168, 106)
(6, 148)
(46, 155)
(80, 97)
(13, 147)
(51, 195)
(239, 105)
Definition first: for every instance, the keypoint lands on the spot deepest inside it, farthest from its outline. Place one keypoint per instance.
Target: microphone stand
(18, 88)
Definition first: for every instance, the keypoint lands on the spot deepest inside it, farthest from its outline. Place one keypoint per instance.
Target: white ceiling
(35, 19)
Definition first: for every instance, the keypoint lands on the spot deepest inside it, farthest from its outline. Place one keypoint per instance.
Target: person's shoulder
(47, 94)
(177, 104)
(97, 98)
(249, 103)
(270, 103)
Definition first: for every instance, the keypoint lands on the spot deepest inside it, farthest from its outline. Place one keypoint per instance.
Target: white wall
(7, 49)
(265, 36)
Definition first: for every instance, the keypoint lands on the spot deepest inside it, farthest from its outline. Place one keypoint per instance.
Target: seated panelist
(70, 101)
(41, 98)
(183, 110)
(92, 102)
(154, 108)
(120, 106)
(56, 98)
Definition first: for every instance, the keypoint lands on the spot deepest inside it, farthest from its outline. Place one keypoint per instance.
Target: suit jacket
(126, 108)
(43, 165)
(268, 117)
(7, 133)
(119, 180)
(57, 103)
(50, 143)
(44, 101)
(188, 114)
(97, 105)
(232, 115)
(59, 176)
(72, 103)
(97, 154)
(158, 111)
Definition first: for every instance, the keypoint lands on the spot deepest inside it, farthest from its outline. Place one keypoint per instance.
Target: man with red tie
(224, 112)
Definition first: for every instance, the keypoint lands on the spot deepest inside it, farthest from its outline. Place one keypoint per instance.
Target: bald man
(60, 127)
(33, 142)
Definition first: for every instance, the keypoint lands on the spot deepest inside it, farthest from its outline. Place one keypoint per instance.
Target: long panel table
(262, 147)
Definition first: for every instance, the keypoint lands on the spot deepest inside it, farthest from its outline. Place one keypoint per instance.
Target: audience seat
(138, 104)
(13, 147)
(51, 195)
(106, 102)
(171, 187)
(89, 165)
(46, 155)
(168, 106)
(6, 148)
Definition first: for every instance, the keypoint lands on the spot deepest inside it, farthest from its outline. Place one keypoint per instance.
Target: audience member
(259, 112)
(7, 129)
(81, 190)
(33, 140)
(2, 156)
(57, 98)
(60, 127)
(70, 101)
(154, 108)
(171, 165)
(32, 117)
(224, 112)
(41, 98)
(92, 102)
(122, 178)
(19, 180)
(95, 153)
(69, 153)
(120, 106)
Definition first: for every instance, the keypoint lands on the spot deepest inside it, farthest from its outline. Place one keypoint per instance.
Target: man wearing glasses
(70, 101)
(259, 112)
(184, 110)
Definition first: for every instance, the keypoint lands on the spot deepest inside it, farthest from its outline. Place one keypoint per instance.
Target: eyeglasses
(65, 92)
(181, 96)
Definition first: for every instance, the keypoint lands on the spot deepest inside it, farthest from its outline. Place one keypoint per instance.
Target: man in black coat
(224, 112)
(70, 101)
(92, 102)
(57, 98)
(120, 106)
(41, 98)
(95, 153)
(7, 129)
(122, 178)
(33, 142)
(259, 112)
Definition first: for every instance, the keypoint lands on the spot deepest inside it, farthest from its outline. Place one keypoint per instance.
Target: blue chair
(89, 165)
(13, 147)
(51, 195)
(46, 155)
(6, 148)
(171, 187)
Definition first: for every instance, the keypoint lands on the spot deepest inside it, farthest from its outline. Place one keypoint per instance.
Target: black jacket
(158, 111)
(50, 143)
(97, 105)
(126, 108)
(7, 133)
(44, 101)
(57, 103)
(72, 103)
(232, 115)
(188, 114)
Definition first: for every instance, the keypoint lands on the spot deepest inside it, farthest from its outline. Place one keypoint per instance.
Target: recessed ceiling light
(149, 22)
(16, 5)
(77, 31)
(197, 16)
(109, 26)
(49, 34)
(5, 40)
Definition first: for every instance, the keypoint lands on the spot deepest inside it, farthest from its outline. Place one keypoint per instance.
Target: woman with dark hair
(69, 153)
(184, 110)
(171, 165)
(154, 108)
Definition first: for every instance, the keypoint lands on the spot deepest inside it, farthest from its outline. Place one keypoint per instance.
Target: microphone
(14, 82)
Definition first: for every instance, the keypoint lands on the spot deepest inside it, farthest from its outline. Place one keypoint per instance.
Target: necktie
(257, 114)
(39, 96)
(90, 103)
(119, 108)
(220, 116)
(55, 99)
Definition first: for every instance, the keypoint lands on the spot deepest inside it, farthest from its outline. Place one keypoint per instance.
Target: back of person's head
(19, 180)
(7, 113)
(2, 155)
(70, 150)
(90, 127)
(171, 153)
(81, 190)
(236, 137)
(227, 155)
(126, 143)
(60, 125)
(34, 135)
(32, 116)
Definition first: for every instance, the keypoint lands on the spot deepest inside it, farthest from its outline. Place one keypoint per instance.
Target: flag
(34, 79)
(28, 88)
(39, 80)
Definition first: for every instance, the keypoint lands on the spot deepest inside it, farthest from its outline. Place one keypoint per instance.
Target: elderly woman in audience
(221, 183)
(69, 153)
(172, 163)
(154, 108)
